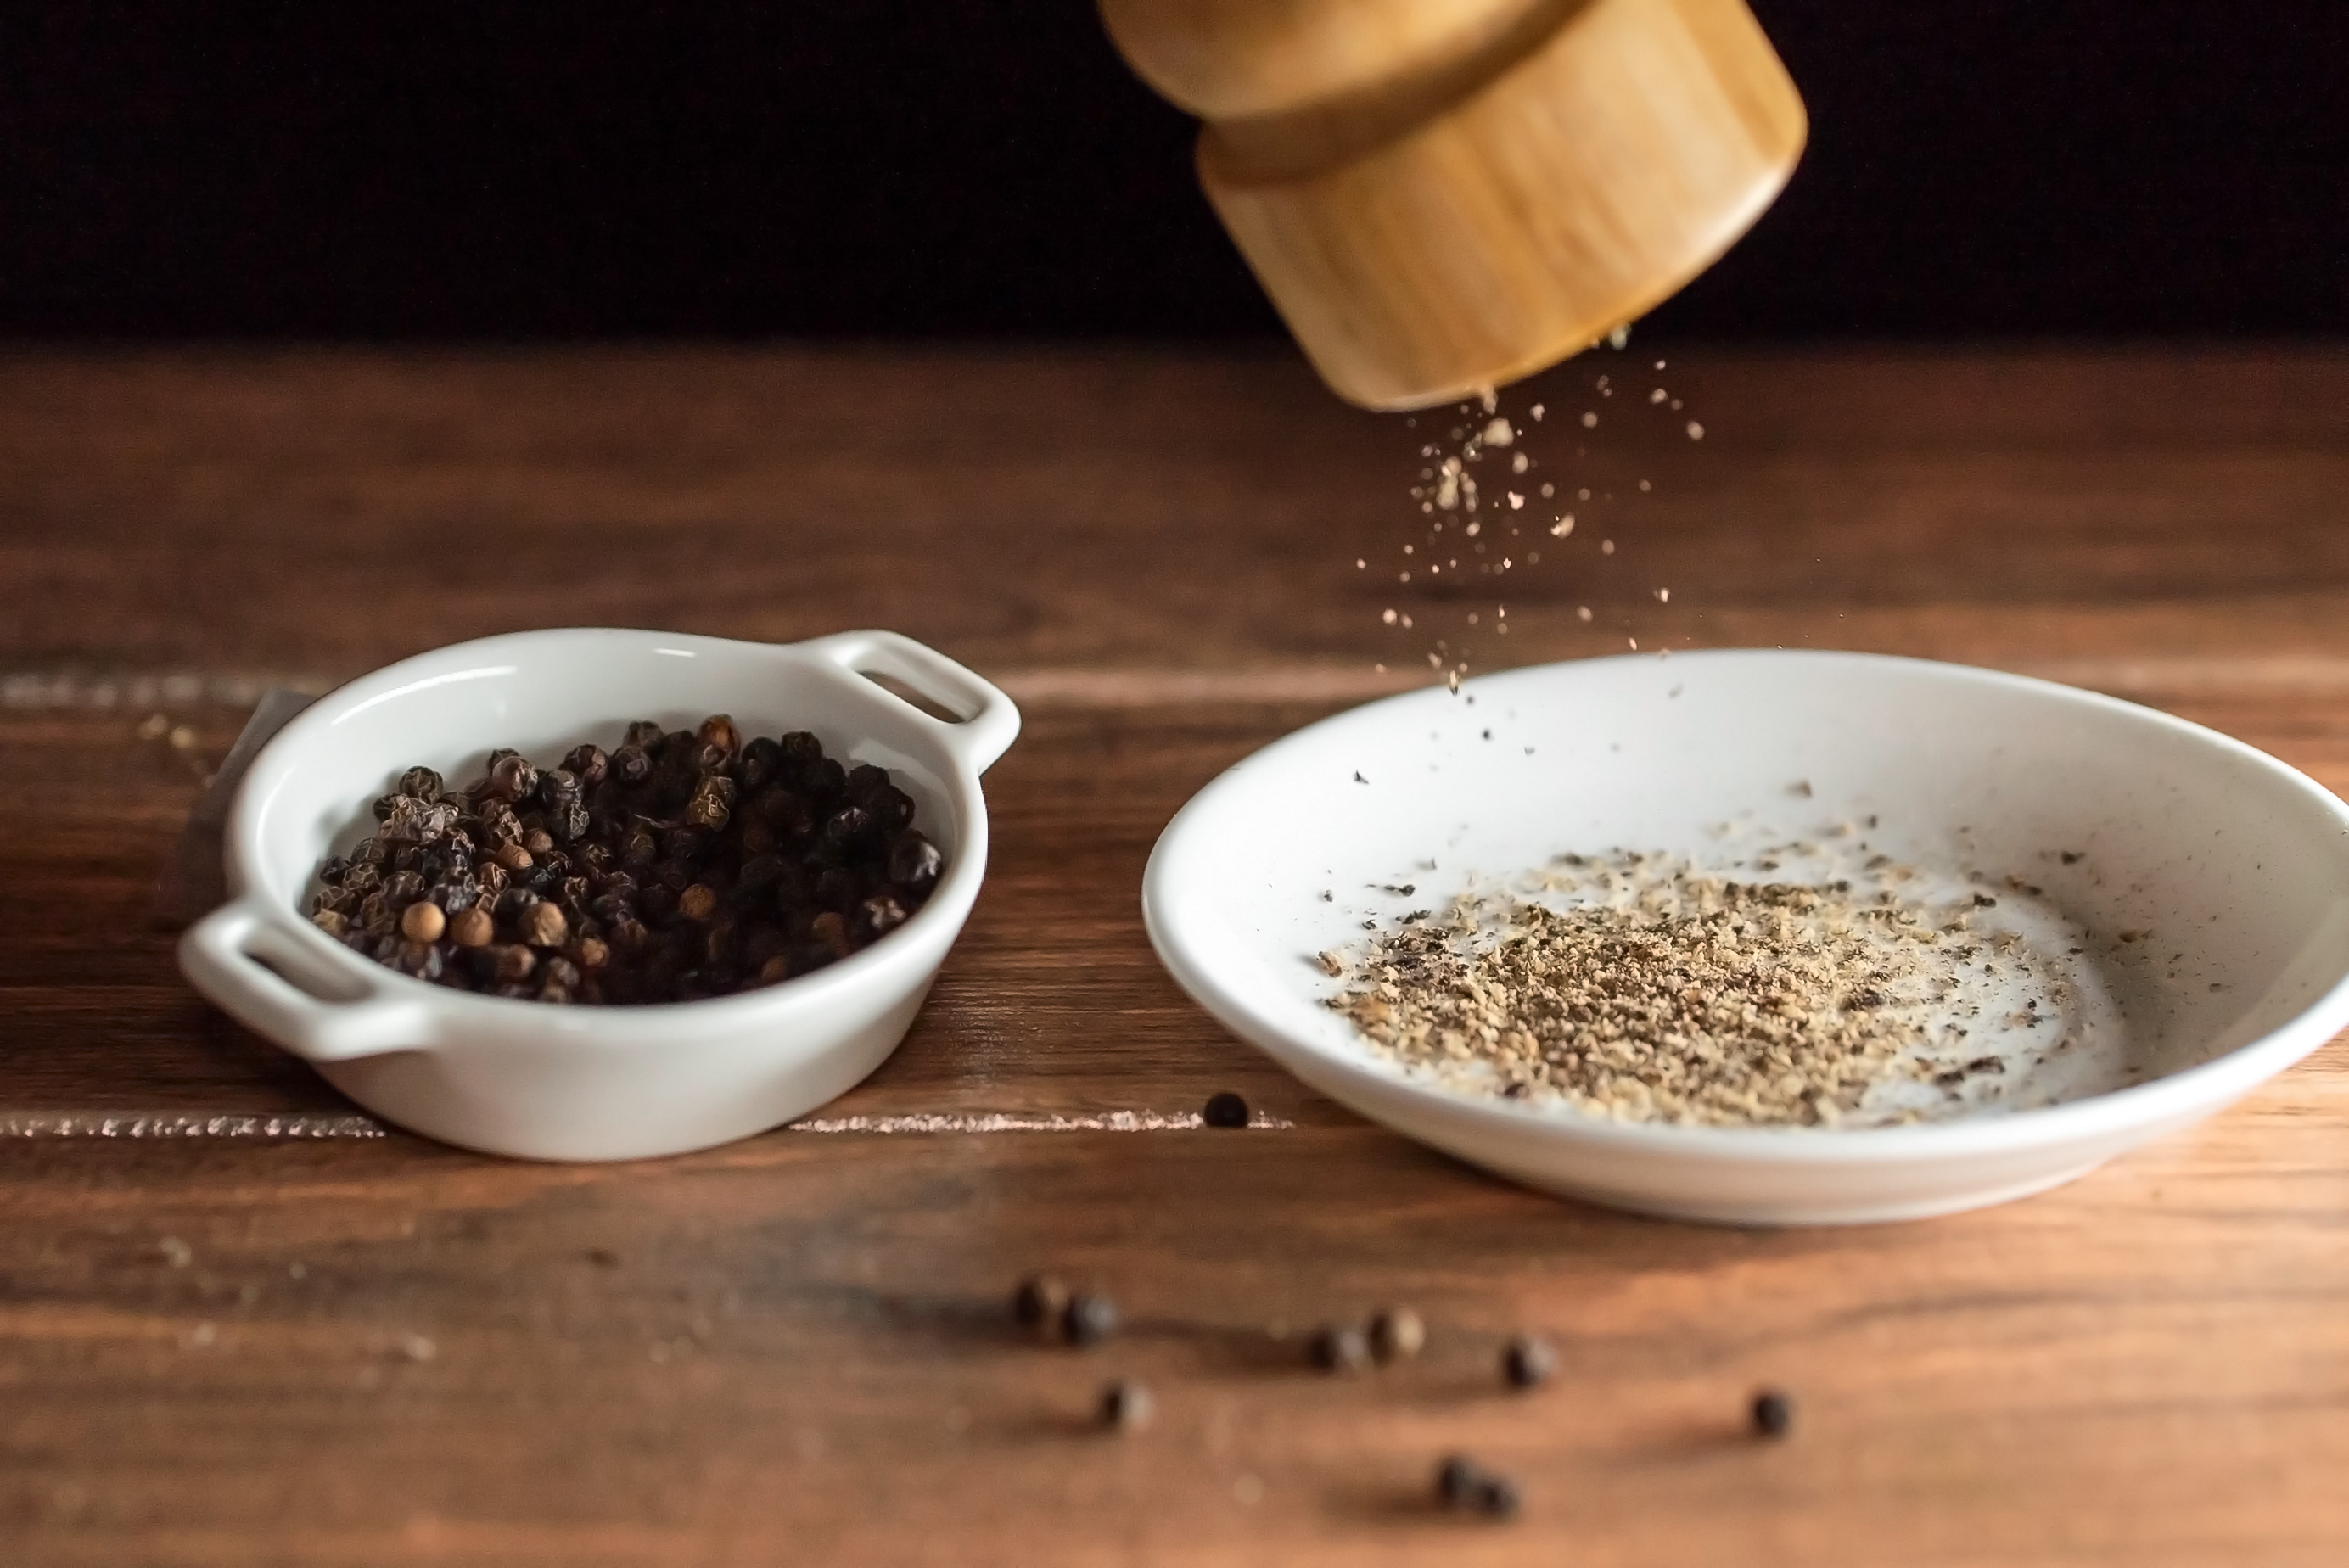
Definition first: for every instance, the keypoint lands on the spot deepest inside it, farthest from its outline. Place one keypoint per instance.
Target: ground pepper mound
(1688, 998)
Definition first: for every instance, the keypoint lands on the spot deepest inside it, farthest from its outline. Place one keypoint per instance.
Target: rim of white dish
(2182, 1093)
(614, 1026)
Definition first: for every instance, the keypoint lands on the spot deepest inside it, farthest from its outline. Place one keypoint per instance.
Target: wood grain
(227, 1348)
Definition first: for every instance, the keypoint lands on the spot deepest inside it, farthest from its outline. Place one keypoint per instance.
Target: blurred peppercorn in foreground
(680, 865)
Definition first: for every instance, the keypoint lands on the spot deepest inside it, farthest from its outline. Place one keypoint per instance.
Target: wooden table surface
(240, 1324)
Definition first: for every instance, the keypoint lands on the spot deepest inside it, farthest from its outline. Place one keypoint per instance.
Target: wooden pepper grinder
(1444, 195)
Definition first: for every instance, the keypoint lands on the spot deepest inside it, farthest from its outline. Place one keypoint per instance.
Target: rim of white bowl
(599, 1025)
(2205, 1086)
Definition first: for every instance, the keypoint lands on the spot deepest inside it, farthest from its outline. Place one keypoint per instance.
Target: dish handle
(989, 722)
(241, 955)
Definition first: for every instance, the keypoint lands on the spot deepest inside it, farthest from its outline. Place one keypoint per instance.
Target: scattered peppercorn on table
(244, 1323)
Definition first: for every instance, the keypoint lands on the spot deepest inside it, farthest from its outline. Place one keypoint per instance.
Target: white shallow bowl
(2229, 870)
(582, 1082)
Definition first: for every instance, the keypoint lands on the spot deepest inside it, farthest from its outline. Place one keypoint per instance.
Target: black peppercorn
(712, 806)
(1039, 1302)
(892, 809)
(422, 782)
(1528, 1362)
(838, 889)
(1464, 1485)
(1339, 1348)
(878, 916)
(1088, 1319)
(801, 751)
(1772, 1413)
(587, 764)
(567, 821)
(1126, 1406)
(1226, 1110)
(914, 862)
(333, 868)
(643, 733)
(630, 765)
(759, 761)
(512, 778)
(847, 826)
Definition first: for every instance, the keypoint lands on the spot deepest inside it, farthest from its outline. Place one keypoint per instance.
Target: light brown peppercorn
(1397, 1334)
(422, 921)
(830, 930)
(472, 928)
(590, 953)
(699, 901)
(542, 926)
(512, 858)
(775, 970)
(719, 730)
(538, 841)
(331, 922)
(514, 962)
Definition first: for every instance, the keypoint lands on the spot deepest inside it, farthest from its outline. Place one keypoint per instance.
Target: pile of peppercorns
(680, 865)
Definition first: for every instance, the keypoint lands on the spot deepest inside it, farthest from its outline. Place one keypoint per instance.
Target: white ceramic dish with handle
(580, 1082)
(2208, 882)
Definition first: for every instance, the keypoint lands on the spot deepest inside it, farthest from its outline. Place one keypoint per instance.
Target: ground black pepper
(678, 865)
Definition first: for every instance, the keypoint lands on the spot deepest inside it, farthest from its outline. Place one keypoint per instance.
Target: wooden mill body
(1442, 196)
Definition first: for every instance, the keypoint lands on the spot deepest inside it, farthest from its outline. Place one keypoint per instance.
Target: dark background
(956, 169)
